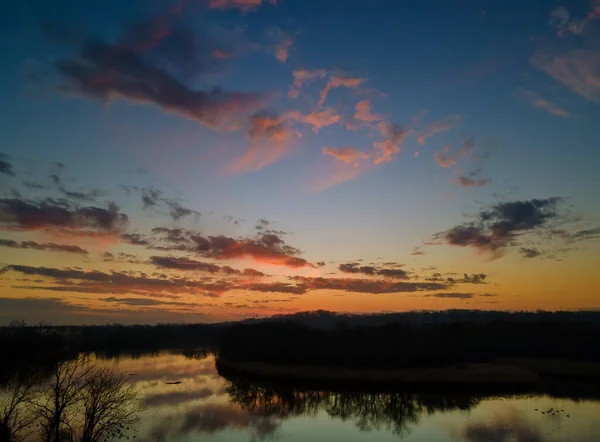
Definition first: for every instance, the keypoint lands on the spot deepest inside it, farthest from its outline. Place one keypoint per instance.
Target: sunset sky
(210, 160)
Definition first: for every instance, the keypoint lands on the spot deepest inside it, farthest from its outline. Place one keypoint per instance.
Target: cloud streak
(50, 247)
(538, 102)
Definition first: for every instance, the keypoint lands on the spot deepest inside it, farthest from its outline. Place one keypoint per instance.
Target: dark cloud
(35, 310)
(33, 185)
(452, 295)
(51, 247)
(262, 224)
(266, 247)
(374, 286)
(47, 214)
(499, 227)
(584, 235)
(464, 181)
(121, 257)
(6, 167)
(152, 74)
(114, 282)
(144, 302)
(135, 239)
(475, 278)
(529, 252)
(153, 199)
(354, 267)
(180, 263)
(276, 287)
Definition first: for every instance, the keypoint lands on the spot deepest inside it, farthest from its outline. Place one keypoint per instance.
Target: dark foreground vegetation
(74, 402)
(404, 344)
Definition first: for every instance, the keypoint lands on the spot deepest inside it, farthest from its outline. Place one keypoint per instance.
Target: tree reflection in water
(395, 412)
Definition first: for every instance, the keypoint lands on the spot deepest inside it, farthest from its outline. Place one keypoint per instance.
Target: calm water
(187, 400)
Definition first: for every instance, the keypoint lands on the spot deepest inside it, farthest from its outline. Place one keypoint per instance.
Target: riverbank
(514, 374)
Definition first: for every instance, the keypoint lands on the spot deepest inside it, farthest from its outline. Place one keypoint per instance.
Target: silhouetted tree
(16, 414)
(109, 404)
(85, 404)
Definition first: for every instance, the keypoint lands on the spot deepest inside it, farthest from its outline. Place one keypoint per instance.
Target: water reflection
(395, 412)
(186, 399)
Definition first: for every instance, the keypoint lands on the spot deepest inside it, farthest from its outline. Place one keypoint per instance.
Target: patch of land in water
(507, 372)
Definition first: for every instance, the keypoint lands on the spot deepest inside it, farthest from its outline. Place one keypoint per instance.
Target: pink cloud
(362, 115)
(436, 127)
(579, 70)
(348, 154)
(302, 76)
(268, 138)
(335, 82)
(392, 145)
(444, 159)
(242, 5)
(282, 49)
(539, 102)
(317, 119)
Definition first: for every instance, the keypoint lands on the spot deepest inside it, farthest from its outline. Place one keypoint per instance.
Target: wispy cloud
(269, 136)
(348, 154)
(363, 116)
(566, 25)
(444, 158)
(577, 69)
(144, 73)
(539, 102)
(316, 119)
(338, 81)
(302, 76)
(392, 145)
(242, 5)
(50, 247)
(439, 126)
(6, 167)
(464, 181)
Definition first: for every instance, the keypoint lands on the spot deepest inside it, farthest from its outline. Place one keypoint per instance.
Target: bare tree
(109, 405)
(57, 403)
(16, 414)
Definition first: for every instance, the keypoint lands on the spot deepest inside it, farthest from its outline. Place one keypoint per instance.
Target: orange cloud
(362, 115)
(317, 119)
(444, 159)
(242, 5)
(335, 82)
(436, 127)
(268, 137)
(349, 154)
(302, 76)
(282, 49)
(386, 149)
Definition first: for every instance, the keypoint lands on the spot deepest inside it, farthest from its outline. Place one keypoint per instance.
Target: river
(185, 399)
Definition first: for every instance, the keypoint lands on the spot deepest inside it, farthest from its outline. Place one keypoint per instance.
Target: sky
(213, 160)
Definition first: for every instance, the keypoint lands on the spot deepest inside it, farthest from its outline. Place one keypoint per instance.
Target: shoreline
(501, 375)
(521, 374)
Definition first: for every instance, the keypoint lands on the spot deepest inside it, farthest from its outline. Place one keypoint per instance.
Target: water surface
(186, 399)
